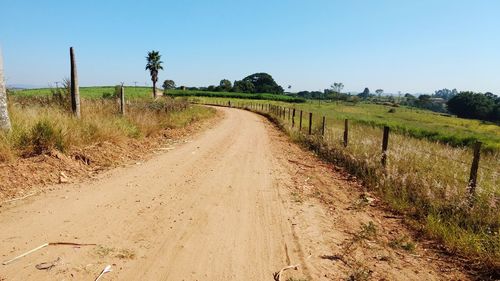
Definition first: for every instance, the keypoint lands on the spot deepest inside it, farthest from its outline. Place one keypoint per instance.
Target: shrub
(42, 138)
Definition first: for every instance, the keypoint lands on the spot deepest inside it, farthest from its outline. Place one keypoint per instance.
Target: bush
(42, 138)
(474, 105)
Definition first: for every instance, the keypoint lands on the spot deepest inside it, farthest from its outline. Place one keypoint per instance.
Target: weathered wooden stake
(122, 100)
(323, 126)
(346, 132)
(385, 143)
(310, 122)
(75, 90)
(293, 118)
(300, 123)
(473, 171)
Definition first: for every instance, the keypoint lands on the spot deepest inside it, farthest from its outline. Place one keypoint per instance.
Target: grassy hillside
(418, 123)
(90, 92)
(138, 92)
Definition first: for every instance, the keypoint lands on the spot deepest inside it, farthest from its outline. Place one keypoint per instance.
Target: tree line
(256, 83)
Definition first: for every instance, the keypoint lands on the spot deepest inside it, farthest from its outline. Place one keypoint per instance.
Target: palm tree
(154, 65)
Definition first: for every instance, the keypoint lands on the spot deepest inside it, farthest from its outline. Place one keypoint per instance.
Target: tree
(379, 92)
(473, 105)
(424, 98)
(168, 84)
(75, 90)
(4, 113)
(264, 83)
(445, 94)
(154, 65)
(243, 87)
(365, 94)
(337, 87)
(225, 85)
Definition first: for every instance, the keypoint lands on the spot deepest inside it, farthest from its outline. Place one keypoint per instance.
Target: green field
(418, 123)
(90, 92)
(138, 92)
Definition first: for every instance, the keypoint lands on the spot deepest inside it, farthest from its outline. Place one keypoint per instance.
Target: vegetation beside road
(41, 125)
(417, 123)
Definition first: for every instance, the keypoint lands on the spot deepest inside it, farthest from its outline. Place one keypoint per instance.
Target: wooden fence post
(346, 132)
(75, 90)
(323, 127)
(385, 143)
(293, 118)
(122, 100)
(310, 122)
(473, 171)
(300, 122)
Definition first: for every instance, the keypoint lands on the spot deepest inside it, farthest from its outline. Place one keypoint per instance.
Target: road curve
(208, 209)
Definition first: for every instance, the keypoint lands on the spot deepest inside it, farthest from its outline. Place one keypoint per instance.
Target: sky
(395, 45)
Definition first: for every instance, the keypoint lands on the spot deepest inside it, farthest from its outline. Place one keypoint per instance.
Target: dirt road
(226, 205)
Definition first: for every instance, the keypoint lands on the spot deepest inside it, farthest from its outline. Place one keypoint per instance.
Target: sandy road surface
(222, 206)
(206, 210)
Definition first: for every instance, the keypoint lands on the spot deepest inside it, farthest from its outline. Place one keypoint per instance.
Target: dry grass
(40, 125)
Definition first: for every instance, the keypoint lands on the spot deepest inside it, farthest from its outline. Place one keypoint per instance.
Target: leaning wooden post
(293, 118)
(310, 122)
(75, 91)
(473, 171)
(122, 100)
(346, 132)
(5, 124)
(323, 126)
(300, 122)
(385, 143)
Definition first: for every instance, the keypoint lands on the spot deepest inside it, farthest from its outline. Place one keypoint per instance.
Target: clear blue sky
(396, 45)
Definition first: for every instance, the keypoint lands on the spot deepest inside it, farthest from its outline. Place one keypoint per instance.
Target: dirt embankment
(236, 202)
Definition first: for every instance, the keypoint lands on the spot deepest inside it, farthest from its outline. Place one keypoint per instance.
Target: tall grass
(40, 125)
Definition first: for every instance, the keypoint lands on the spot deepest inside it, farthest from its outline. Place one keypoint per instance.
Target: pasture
(417, 123)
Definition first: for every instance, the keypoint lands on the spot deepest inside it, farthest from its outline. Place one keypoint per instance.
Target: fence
(406, 157)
